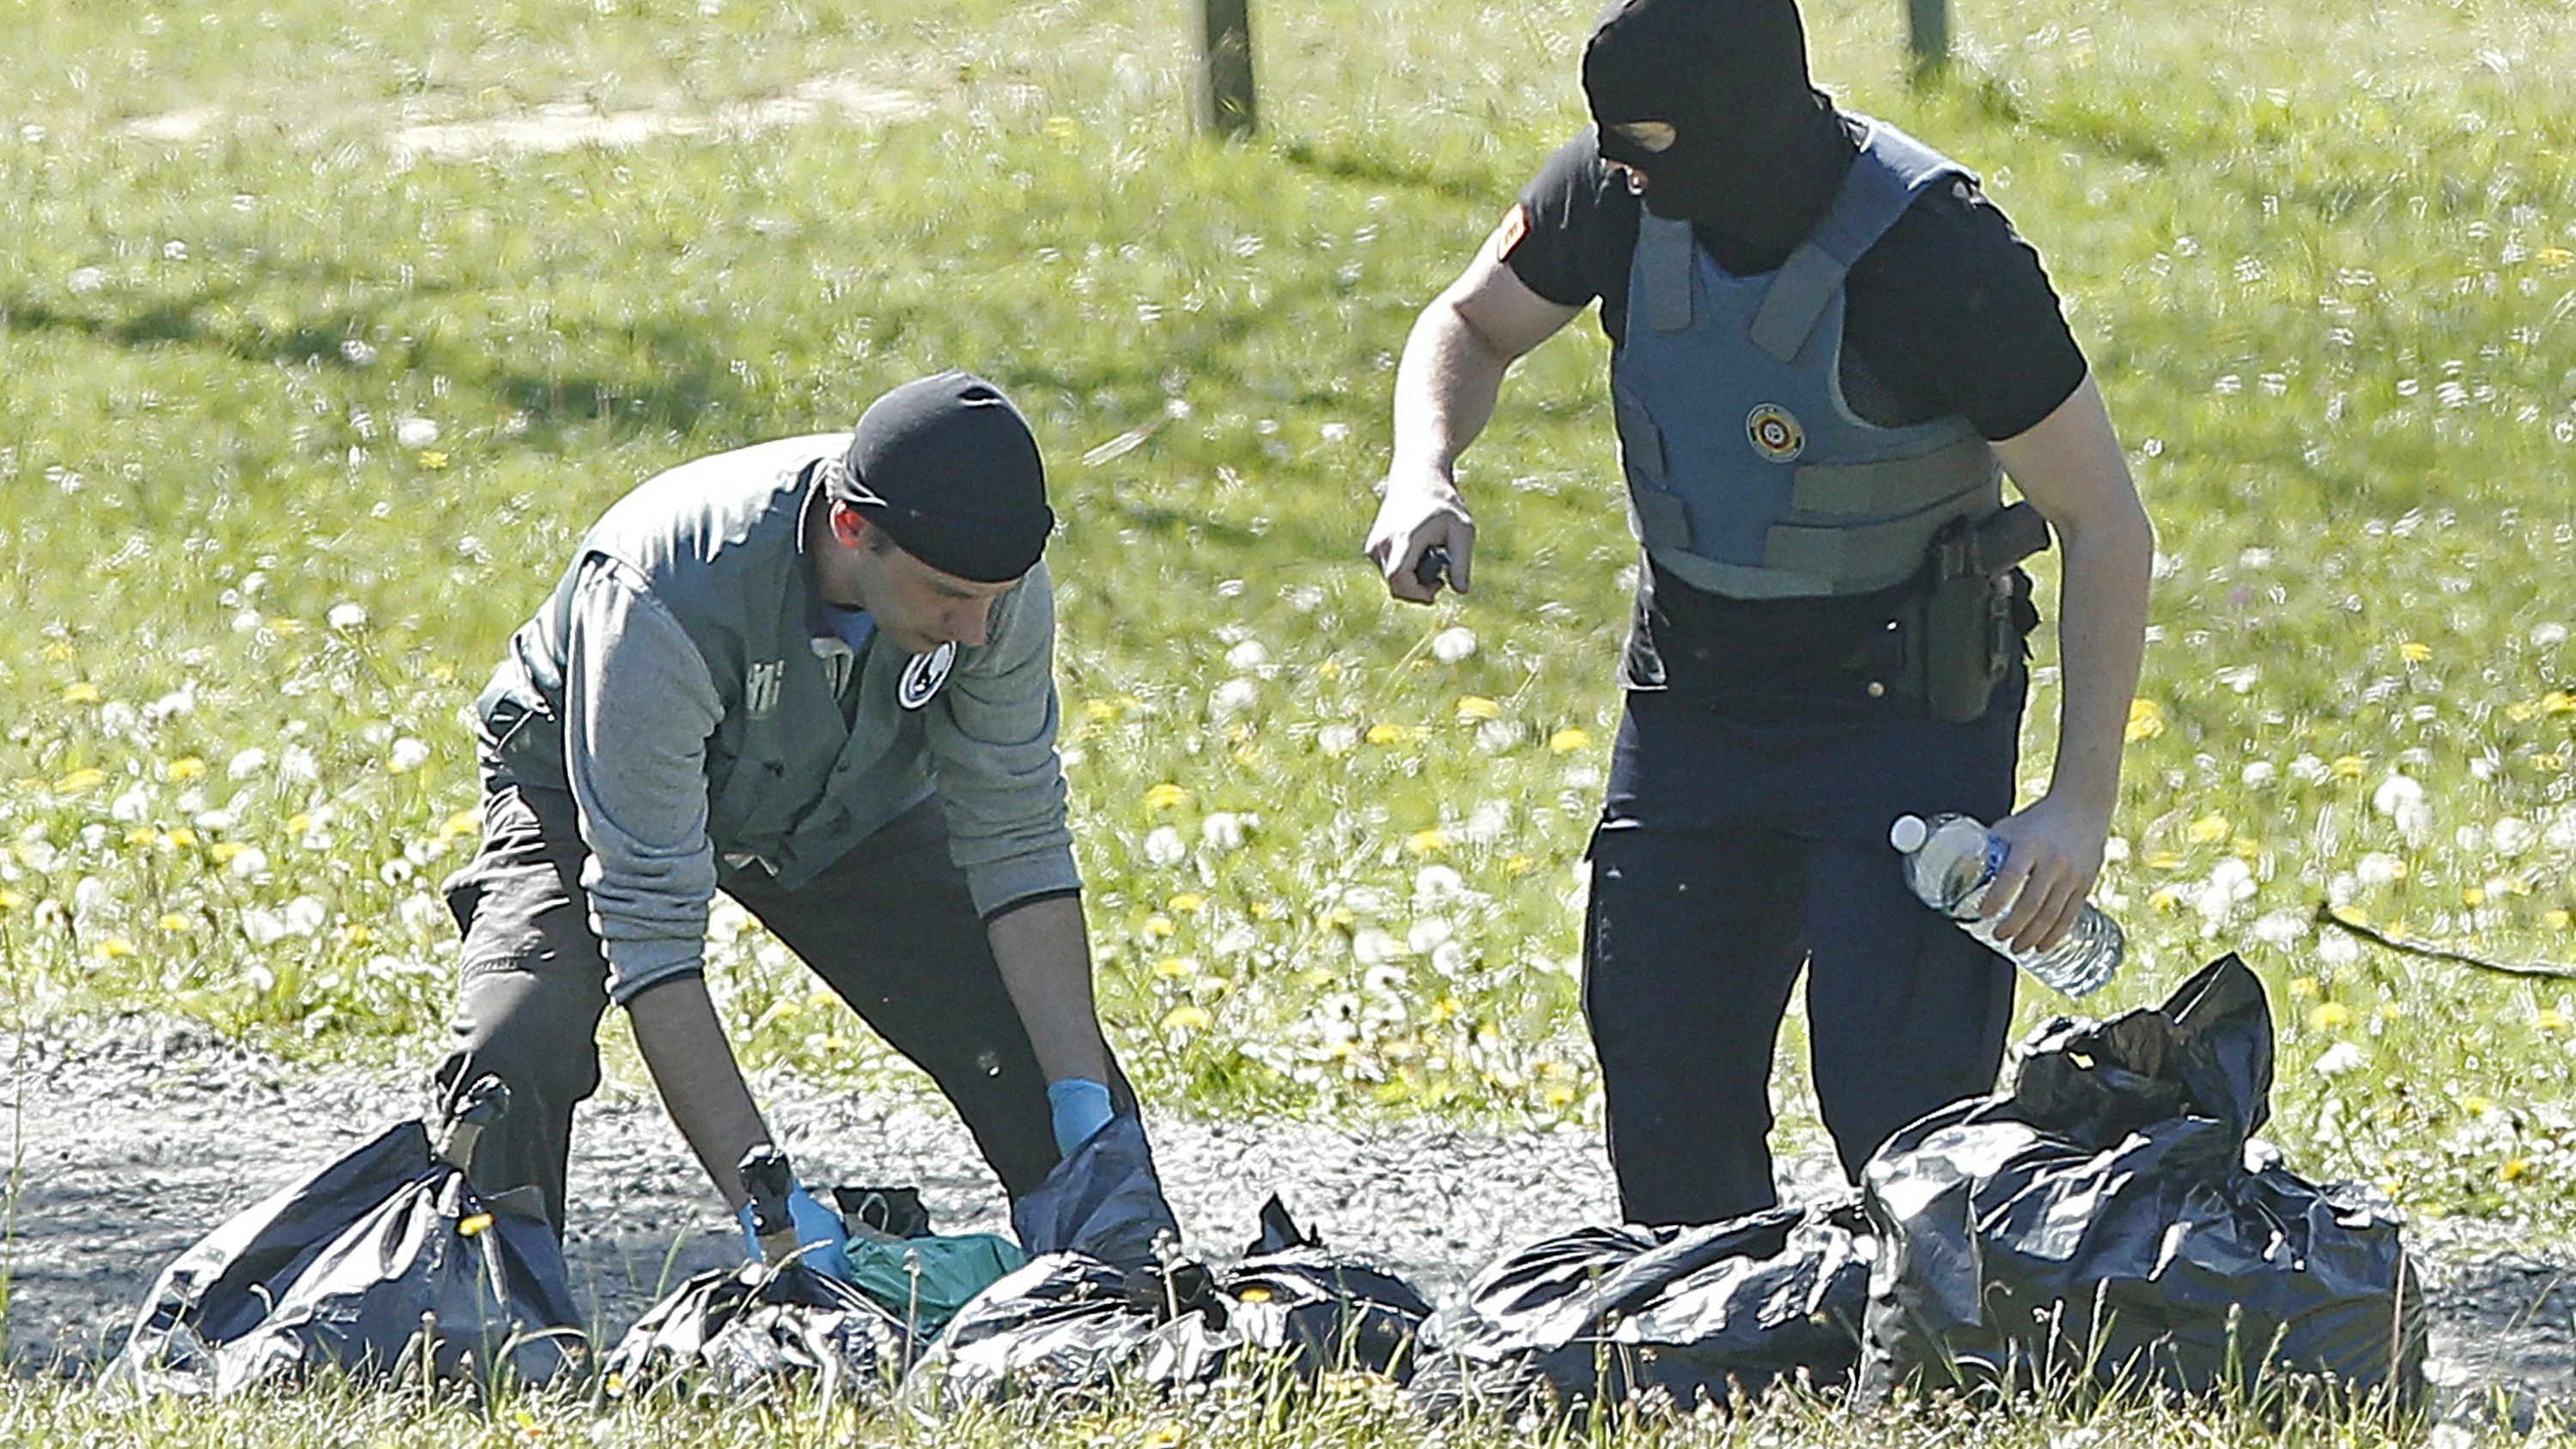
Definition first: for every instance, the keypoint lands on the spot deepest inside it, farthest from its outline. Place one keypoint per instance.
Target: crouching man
(816, 674)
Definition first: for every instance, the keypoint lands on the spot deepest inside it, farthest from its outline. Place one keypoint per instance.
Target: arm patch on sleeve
(1508, 236)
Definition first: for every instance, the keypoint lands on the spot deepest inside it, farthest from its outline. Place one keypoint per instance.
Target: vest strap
(1880, 489)
(1798, 295)
(1667, 251)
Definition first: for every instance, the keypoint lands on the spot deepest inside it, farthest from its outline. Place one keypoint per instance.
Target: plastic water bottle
(1951, 859)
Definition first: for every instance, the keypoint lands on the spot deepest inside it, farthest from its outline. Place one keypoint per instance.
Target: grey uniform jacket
(675, 684)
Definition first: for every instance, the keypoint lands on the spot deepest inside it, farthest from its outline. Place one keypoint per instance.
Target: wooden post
(1225, 84)
(1930, 37)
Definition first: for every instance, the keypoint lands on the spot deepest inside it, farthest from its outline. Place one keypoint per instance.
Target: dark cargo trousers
(1737, 845)
(889, 927)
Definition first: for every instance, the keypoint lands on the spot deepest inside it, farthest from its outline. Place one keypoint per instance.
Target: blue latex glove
(1080, 1108)
(818, 1228)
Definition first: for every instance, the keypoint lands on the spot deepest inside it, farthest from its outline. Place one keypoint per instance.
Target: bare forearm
(1444, 389)
(2100, 632)
(1044, 952)
(693, 1067)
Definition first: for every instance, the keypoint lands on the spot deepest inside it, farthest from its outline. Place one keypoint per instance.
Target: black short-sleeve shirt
(1949, 313)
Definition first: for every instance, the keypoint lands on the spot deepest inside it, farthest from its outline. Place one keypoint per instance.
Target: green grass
(2321, 260)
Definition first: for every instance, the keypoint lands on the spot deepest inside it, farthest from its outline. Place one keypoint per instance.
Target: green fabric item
(950, 1271)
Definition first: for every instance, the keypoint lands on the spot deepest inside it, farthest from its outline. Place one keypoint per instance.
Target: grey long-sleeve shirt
(639, 706)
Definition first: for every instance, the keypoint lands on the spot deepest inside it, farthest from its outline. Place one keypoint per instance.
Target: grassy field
(315, 355)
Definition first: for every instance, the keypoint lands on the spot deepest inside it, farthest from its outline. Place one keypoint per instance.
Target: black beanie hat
(948, 468)
(1757, 151)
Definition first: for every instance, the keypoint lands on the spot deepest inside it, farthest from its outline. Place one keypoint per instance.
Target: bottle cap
(1908, 833)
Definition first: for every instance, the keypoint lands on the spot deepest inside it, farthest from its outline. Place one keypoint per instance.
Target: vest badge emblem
(924, 674)
(760, 687)
(1775, 433)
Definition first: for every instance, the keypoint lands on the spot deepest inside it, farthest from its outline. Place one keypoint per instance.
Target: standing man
(817, 674)
(1826, 341)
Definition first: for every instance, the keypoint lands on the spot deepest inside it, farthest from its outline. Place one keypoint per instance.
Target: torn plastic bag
(1103, 1201)
(1650, 1314)
(919, 1276)
(1072, 1323)
(359, 1266)
(2111, 1219)
(739, 1333)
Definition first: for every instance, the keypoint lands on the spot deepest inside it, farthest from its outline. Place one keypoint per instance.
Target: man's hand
(2055, 853)
(1422, 511)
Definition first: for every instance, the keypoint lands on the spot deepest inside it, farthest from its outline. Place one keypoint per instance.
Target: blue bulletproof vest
(1749, 475)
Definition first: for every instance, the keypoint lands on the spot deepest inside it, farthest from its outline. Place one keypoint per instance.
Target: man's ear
(850, 527)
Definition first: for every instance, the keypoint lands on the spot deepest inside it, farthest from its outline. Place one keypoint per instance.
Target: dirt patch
(133, 1139)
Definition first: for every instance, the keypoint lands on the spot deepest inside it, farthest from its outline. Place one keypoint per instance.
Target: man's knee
(534, 1029)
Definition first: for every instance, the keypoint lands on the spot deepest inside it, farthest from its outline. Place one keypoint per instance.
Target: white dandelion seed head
(2470, 838)
(1437, 885)
(2378, 868)
(2280, 928)
(2338, 950)
(1337, 739)
(1385, 979)
(1234, 697)
(1454, 645)
(1223, 832)
(2396, 793)
(2341, 1058)
(250, 864)
(408, 754)
(86, 280)
(305, 915)
(346, 617)
(2512, 835)
(2549, 636)
(1373, 946)
(132, 806)
(1164, 847)
(263, 926)
(1450, 959)
(416, 432)
(2259, 773)
(1427, 933)
(247, 763)
(298, 765)
(1247, 657)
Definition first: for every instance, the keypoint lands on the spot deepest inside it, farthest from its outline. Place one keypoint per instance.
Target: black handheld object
(1432, 569)
(477, 1107)
(767, 1179)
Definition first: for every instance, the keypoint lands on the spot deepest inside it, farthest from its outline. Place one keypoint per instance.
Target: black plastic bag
(1071, 1323)
(1102, 1201)
(359, 1268)
(738, 1333)
(1644, 1315)
(2111, 1221)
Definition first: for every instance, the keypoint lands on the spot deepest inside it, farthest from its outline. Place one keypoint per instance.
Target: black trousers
(1737, 846)
(889, 927)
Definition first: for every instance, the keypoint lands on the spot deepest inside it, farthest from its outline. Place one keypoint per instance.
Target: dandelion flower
(88, 778)
(1385, 734)
(1477, 707)
(2329, 1016)
(1569, 739)
(2415, 653)
(1166, 796)
(184, 769)
(2146, 720)
(1427, 842)
(81, 693)
(2209, 829)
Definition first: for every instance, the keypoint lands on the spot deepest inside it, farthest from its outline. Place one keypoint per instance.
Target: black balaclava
(947, 467)
(1758, 152)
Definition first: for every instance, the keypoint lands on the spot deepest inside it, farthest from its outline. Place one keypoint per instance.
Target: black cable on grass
(2411, 946)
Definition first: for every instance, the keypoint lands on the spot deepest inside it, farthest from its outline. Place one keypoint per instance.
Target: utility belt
(1960, 629)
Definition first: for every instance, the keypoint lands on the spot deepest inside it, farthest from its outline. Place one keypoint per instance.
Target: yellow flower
(2146, 719)
(184, 768)
(81, 693)
(1518, 865)
(2477, 1106)
(2513, 1169)
(2349, 767)
(2414, 653)
(298, 823)
(2472, 896)
(2329, 1016)
(2163, 860)
(1264, 911)
(287, 628)
(1385, 734)
(1569, 739)
(1064, 128)
(225, 850)
(1099, 711)
(2164, 898)
(141, 835)
(114, 947)
(2552, 762)
(1164, 1436)
(2520, 710)
(2303, 986)
(1158, 925)
(1165, 797)
(1427, 842)
(58, 652)
(11, 900)
(462, 823)
(180, 839)
(88, 778)
(433, 459)
(1173, 968)
(1557, 1095)
(2550, 1019)
(173, 921)
(1185, 902)
(2245, 847)
(2208, 830)
(1186, 1018)
(354, 934)
(2558, 701)
(1477, 707)
(2556, 920)
(2553, 256)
